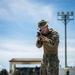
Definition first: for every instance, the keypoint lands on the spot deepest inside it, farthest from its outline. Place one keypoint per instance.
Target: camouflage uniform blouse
(50, 43)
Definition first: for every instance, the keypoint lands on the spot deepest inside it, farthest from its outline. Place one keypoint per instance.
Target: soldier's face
(44, 29)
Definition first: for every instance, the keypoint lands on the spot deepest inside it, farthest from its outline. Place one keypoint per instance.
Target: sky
(18, 29)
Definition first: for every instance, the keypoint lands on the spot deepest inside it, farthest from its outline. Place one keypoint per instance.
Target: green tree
(4, 72)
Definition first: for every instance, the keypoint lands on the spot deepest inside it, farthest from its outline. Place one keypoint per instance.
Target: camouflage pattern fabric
(50, 42)
(50, 65)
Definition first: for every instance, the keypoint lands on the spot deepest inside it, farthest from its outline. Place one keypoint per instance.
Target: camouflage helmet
(42, 23)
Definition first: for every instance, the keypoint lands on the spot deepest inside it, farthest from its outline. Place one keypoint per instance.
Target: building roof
(25, 60)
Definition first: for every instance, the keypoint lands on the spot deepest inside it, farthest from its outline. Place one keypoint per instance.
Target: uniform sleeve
(39, 43)
(54, 39)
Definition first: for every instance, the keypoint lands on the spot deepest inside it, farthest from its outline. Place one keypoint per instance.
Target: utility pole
(65, 18)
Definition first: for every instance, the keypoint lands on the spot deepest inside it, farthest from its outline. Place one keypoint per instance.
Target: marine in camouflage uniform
(50, 43)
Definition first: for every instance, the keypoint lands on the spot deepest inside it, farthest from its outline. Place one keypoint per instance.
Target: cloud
(20, 45)
(25, 12)
(29, 49)
(70, 52)
(24, 8)
(16, 48)
(1, 67)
